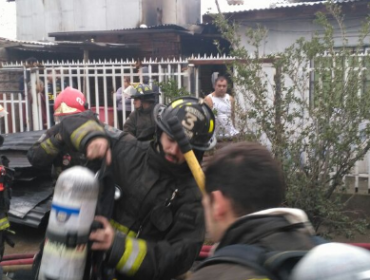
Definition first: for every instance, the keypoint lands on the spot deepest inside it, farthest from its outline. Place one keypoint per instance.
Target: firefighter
(157, 228)
(140, 122)
(6, 179)
(50, 150)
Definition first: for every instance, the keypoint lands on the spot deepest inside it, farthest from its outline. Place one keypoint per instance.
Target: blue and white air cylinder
(72, 213)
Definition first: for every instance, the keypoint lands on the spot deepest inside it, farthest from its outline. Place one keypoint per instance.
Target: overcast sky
(8, 14)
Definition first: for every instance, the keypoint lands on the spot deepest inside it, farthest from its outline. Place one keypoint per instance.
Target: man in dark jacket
(244, 187)
(158, 225)
(140, 122)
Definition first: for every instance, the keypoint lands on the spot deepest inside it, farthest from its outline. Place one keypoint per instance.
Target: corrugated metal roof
(156, 28)
(160, 26)
(60, 45)
(32, 188)
(35, 217)
(27, 42)
(286, 5)
(20, 141)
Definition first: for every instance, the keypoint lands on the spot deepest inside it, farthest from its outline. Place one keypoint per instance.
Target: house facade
(286, 22)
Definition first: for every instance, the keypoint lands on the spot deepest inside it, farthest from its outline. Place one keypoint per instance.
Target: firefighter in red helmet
(70, 101)
(48, 150)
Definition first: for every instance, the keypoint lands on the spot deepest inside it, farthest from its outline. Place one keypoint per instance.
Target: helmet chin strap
(157, 141)
(159, 148)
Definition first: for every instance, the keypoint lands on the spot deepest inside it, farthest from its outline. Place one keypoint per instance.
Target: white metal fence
(98, 80)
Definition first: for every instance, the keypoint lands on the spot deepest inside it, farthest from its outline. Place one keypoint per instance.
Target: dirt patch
(26, 239)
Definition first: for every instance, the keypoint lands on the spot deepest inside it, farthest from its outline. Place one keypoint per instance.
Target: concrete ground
(27, 240)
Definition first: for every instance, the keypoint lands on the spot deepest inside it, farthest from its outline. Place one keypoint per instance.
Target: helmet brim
(144, 95)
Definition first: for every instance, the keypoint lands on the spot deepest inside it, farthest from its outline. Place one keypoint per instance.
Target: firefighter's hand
(99, 148)
(103, 238)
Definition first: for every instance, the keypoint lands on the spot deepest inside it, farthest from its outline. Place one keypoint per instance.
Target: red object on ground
(18, 256)
(17, 262)
(362, 245)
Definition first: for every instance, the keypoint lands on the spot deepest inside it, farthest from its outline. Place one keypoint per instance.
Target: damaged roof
(161, 28)
(285, 4)
(56, 46)
(276, 10)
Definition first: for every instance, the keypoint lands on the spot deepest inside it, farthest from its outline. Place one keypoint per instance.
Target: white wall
(37, 18)
(282, 33)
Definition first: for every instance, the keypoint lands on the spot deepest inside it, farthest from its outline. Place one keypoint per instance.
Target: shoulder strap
(318, 240)
(281, 263)
(241, 254)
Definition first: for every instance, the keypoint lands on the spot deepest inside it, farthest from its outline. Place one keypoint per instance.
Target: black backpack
(275, 265)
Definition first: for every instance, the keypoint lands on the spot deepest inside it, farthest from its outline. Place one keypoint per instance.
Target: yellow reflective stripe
(122, 228)
(133, 257)
(81, 132)
(126, 254)
(140, 257)
(177, 102)
(49, 147)
(4, 223)
(211, 125)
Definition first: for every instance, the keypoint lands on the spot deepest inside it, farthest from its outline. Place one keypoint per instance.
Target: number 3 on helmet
(196, 118)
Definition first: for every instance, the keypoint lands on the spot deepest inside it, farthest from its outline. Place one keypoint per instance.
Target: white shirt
(222, 109)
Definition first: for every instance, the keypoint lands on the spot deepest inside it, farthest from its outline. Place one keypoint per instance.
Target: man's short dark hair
(247, 174)
(220, 79)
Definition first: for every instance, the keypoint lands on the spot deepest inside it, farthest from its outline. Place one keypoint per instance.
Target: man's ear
(221, 205)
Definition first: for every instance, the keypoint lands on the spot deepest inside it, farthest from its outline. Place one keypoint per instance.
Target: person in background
(24, 83)
(54, 86)
(124, 94)
(223, 107)
(141, 123)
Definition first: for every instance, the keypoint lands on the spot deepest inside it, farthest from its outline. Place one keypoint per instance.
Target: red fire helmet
(69, 101)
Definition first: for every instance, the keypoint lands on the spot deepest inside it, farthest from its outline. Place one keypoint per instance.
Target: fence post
(34, 115)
